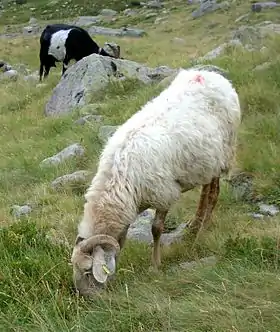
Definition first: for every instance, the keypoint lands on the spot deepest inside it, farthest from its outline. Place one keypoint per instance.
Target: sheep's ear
(104, 264)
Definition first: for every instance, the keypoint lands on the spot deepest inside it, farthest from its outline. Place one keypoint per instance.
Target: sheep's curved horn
(95, 240)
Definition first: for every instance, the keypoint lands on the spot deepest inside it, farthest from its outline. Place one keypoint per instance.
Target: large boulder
(122, 32)
(92, 74)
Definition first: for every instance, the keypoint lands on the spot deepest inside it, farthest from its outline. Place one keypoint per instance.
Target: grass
(240, 293)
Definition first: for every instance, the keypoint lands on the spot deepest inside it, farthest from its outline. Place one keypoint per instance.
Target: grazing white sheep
(183, 138)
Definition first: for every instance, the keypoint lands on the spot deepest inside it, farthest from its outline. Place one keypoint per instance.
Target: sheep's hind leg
(157, 229)
(195, 224)
(212, 199)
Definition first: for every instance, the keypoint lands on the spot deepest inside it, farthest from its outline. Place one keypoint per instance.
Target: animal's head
(113, 49)
(94, 263)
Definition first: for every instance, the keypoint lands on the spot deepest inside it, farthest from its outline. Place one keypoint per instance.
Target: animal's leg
(46, 72)
(196, 223)
(157, 229)
(212, 198)
(41, 72)
(65, 65)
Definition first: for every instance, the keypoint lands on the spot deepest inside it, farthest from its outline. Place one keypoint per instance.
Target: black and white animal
(63, 42)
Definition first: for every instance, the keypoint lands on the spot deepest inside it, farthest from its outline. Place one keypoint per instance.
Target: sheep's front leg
(65, 65)
(157, 229)
(201, 211)
(212, 199)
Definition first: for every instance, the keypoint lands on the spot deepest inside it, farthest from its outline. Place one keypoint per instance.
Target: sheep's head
(94, 262)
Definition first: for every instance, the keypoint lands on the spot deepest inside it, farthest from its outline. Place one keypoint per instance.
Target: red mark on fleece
(198, 78)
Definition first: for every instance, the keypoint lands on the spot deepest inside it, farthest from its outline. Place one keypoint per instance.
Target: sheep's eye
(57, 47)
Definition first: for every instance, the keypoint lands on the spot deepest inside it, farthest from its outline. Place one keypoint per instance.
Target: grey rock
(219, 50)
(105, 132)
(241, 186)
(256, 216)
(113, 49)
(77, 177)
(32, 21)
(30, 30)
(262, 66)
(129, 12)
(86, 21)
(80, 80)
(253, 36)
(154, 4)
(122, 32)
(89, 118)
(209, 261)
(259, 6)
(108, 12)
(208, 7)
(140, 230)
(92, 74)
(74, 150)
(271, 210)
(10, 74)
(19, 211)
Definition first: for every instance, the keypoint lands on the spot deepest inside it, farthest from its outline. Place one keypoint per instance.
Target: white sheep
(183, 138)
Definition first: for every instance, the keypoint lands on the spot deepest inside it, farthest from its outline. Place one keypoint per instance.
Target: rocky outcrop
(92, 74)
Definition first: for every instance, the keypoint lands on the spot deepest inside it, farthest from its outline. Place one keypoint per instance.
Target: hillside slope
(238, 293)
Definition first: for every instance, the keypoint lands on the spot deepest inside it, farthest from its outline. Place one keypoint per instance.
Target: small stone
(154, 4)
(271, 210)
(89, 118)
(19, 211)
(74, 150)
(108, 12)
(129, 12)
(209, 6)
(256, 215)
(32, 21)
(263, 66)
(105, 132)
(78, 177)
(258, 6)
(10, 74)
